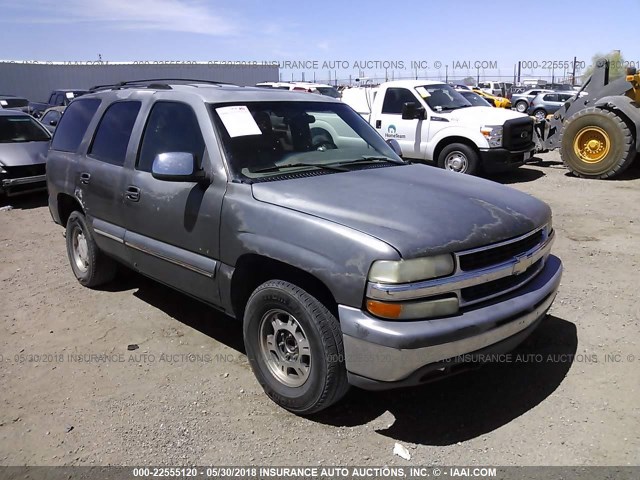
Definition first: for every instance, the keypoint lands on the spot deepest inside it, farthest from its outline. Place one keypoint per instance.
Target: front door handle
(85, 177)
(378, 123)
(132, 193)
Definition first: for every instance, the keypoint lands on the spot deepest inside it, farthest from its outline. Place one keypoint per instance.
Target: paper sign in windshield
(238, 121)
(422, 91)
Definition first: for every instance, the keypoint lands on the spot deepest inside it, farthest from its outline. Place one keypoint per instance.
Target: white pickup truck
(433, 122)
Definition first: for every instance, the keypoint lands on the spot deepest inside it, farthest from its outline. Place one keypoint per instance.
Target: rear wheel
(294, 345)
(521, 106)
(597, 143)
(540, 114)
(90, 266)
(460, 158)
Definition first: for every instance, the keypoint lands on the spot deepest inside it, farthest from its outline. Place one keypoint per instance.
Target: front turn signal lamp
(405, 271)
(424, 309)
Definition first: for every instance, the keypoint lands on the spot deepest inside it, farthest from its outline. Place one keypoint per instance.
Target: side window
(171, 127)
(59, 100)
(52, 99)
(551, 97)
(114, 130)
(394, 98)
(52, 116)
(73, 125)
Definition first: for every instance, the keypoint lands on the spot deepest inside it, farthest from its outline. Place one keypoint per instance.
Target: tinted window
(113, 133)
(50, 117)
(73, 125)
(395, 98)
(21, 128)
(563, 97)
(171, 127)
(551, 97)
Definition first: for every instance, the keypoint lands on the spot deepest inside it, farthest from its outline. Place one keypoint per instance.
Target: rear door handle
(85, 177)
(132, 193)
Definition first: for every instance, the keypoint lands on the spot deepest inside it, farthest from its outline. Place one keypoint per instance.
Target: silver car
(521, 101)
(23, 149)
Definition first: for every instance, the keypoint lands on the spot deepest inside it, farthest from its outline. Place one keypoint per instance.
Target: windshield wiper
(456, 107)
(275, 168)
(365, 159)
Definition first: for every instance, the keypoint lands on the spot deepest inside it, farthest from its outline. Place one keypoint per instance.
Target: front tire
(294, 346)
(521, 106)
(596, 143)
(91, 267)
(459, 158)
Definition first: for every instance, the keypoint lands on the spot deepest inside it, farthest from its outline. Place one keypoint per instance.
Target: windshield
(442, 97)
(21, 129)
(329, 91)
(265, 139)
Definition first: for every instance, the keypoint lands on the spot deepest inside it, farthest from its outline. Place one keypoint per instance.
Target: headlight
(493, 134)
(404, 271)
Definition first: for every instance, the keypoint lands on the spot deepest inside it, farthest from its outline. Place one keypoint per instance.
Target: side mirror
(176, 167)
(53, 123)
(411, 111)
(395, 146)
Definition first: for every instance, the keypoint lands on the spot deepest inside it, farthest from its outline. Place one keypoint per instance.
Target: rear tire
(540, 114)
(597, 143)
(460, 158)
(294, 346)
(91, 267)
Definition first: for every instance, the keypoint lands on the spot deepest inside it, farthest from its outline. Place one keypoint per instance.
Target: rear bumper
(383, 354)
(501, 159)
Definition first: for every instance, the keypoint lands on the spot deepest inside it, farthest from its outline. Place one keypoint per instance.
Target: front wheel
(460, 158)
(294, 346)
(540, 115)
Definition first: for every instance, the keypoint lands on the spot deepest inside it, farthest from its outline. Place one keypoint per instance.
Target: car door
(173, 226)
(102, 176)
(410, 134)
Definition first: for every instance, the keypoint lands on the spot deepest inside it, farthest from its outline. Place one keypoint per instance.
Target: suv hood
(21, 154)
(417, 209)
(483, 115)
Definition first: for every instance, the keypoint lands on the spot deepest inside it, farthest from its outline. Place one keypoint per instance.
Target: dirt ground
(71, 393)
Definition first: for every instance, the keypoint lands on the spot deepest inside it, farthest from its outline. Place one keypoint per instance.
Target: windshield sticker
(69, 95)
(4, 103)
(238, 121)
(422, 92)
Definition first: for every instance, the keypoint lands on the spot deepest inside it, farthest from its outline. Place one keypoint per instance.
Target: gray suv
(345, 264)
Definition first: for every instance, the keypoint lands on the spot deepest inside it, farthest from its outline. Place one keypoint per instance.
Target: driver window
(395, 98)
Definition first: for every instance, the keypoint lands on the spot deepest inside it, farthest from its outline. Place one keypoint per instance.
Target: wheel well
(448, 141)
(66, 206)
(253, 270)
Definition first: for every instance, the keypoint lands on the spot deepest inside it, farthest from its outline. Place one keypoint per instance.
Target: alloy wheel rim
(80, 249)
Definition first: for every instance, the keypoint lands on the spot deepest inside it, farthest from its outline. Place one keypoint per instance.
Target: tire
(461, 158)
(521, 106)
(613, 148)
(91, 267)
(540, 114)
(281, 317)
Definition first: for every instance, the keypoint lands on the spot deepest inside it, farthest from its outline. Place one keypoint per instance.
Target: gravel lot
(188, 396)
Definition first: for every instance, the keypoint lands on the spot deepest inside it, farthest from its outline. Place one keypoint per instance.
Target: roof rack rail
(154, 83)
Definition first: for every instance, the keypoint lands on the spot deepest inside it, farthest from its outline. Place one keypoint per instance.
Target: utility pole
(446, 73)
(519, 70)
(573, 75)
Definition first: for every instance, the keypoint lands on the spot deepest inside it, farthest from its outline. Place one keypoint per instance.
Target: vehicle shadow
(519, 175)
(471, 404)
(631, 173)
(26, 201)
(182, 308)
(540, 162)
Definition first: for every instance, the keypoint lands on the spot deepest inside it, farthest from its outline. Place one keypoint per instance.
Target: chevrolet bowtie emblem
(523, 262)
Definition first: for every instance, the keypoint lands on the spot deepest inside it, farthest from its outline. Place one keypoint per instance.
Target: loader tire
(597, 143)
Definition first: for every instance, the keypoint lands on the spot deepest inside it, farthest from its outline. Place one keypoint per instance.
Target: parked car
(23, 149)
(11, 102)
(496, 101)
(547, 103)
(521, 101)
(51, 117)
(344, 263)
(474, 98)
(57, 98)
(492, 88)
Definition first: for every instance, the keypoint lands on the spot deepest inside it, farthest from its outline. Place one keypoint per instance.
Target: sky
(459, 37)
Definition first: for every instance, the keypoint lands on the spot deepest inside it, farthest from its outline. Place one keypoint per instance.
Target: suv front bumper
(382, 354)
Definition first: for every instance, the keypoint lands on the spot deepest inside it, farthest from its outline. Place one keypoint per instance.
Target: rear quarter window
(73, 125)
